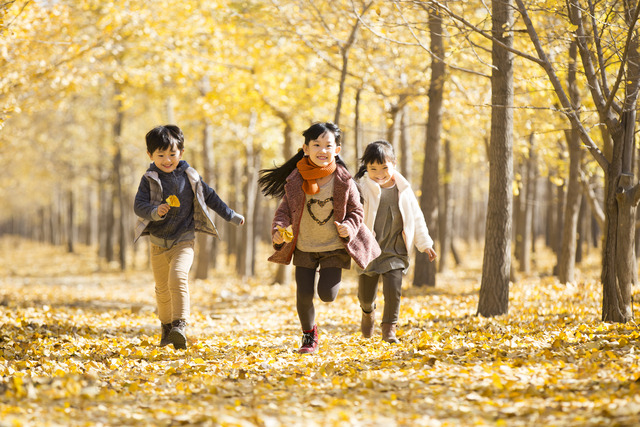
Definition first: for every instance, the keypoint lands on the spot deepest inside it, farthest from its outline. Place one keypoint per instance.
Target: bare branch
(625, 55)
(6, 5)
(562, 96)
(304, 39)
(595, 86)
(598, 44)
(418, 42)
(486, 34)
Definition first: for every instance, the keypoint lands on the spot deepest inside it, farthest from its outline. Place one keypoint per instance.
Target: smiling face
(382, 173)
(322, 150)
(166, 160)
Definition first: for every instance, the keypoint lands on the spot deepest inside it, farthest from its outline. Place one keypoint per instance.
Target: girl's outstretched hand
(431, 254)
(343, 230)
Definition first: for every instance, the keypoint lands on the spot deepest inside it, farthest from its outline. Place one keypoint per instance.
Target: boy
(171, 204)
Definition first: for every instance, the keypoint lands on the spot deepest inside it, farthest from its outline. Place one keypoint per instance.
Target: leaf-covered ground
(78, 347)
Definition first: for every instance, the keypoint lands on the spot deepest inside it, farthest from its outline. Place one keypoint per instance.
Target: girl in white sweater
(392, 213)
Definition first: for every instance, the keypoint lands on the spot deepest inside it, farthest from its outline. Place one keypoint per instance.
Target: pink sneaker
(309, 341)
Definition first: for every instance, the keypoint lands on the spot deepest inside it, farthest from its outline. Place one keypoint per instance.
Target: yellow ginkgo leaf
(173, 201)
(287, 233)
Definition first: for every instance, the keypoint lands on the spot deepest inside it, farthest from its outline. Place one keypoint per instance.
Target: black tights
(328, 287)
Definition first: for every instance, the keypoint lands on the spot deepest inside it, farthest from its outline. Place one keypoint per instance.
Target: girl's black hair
(164, 137)
(272, 181)
(379, 152)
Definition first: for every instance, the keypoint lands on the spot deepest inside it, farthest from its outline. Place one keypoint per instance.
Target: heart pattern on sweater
(321, 204)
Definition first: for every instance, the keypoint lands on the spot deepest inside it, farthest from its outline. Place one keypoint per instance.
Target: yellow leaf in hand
(287, 233)
(173, 201)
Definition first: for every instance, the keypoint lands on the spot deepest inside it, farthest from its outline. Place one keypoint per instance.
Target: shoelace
(308, 340)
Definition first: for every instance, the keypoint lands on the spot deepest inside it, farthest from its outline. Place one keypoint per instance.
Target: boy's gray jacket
(201, 218)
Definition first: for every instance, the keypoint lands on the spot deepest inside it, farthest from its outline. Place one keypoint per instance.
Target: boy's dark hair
(164, 137)
(272, 181)
(380, 152)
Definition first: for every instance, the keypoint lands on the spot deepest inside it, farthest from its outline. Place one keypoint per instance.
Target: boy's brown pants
(171, 273)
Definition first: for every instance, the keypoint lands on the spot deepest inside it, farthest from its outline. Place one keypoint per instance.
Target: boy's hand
(431, 254)
(163, 209)
(277, 238)
(343, 230)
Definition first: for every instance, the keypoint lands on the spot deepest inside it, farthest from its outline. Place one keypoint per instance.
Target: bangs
(379, 152)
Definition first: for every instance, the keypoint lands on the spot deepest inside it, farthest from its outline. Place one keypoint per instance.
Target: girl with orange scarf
(318, 223)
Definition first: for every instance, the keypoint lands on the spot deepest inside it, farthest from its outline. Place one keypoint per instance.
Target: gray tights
(328, 287)
(391, 289)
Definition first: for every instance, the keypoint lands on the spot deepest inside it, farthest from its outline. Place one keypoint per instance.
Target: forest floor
(78, 346)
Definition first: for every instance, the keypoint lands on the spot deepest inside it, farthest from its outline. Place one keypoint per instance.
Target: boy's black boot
(164, 338)
(178, 334)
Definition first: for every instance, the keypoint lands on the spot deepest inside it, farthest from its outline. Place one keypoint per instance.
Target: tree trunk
(247, 248)
(71, 231)
(618, 246)
(110, 226)
(517, 215)
(357, 137)
(204, 240)
(234, 200)
(535, 174)
(394, 119)
(526, 206)
(406, 168)
(446, 219)
(582, 231)
(550, 222)
(559, 225)
(566, 261)
(494, 287)
(425, 271)
(283, 272)
(118, 191)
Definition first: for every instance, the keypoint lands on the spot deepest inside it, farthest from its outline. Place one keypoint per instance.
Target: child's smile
(167, 160)
(382, 173)
(322, 151)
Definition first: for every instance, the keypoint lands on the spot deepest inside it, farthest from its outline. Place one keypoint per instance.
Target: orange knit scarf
(311, 172)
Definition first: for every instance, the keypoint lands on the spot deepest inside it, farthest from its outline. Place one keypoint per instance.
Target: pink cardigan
(347, 209)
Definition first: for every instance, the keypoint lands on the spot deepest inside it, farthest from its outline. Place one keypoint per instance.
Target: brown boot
(389, 333)
(367, 323)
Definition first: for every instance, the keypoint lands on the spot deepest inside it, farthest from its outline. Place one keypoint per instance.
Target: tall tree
(425, 271)
(608, 46)
(621, 195)
(567, 258)
(494, 288)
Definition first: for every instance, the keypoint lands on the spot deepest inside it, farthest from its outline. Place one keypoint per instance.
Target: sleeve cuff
(237, 219)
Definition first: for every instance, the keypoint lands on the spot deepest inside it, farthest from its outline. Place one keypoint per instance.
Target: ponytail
(272, 181)
(360, 173)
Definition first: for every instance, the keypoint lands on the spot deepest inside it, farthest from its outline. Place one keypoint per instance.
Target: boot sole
(178, 340)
